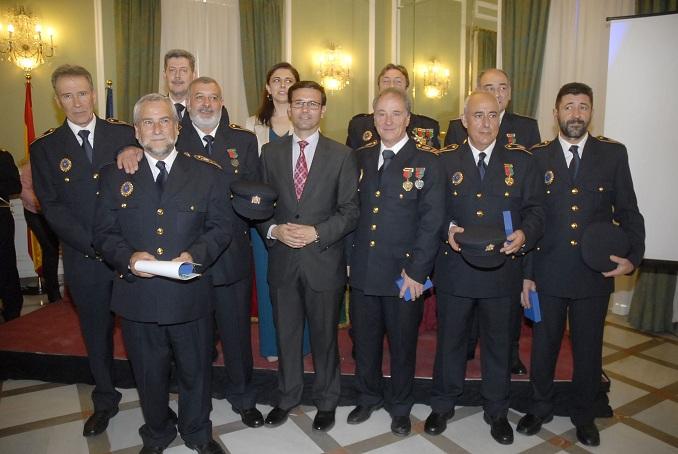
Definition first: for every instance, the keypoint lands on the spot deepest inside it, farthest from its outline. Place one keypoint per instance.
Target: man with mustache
(205, 131)
(586, 179)
(176, 207)
(178, 73)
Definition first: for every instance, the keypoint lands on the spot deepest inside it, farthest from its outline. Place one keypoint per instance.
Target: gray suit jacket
(329, 202)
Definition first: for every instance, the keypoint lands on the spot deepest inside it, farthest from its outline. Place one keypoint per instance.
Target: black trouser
(372, 317)
(49, 243)
(292, 305)
(10, 287)
(93, 302)
(151, 348)
(233, 321)
(516, 326)
(454, 316)
(587, 321)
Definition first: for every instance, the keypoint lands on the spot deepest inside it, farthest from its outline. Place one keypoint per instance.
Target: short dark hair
(400, 68)
(400, 93)
(485, 71)
(71, 70)
(307, 84)
(574, 88)
(180, 53)
(266, 108)
(202, 80)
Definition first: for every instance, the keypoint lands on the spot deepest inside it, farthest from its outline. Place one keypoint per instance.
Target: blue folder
(534, 312)
(399, 282)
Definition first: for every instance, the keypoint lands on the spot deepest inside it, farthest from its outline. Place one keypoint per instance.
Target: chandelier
(334, 68)
(436, 79)
(22, 40)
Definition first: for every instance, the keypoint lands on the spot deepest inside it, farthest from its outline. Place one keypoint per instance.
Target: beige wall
(73, 24)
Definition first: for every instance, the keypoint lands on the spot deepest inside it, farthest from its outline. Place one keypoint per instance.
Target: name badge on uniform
(419, 175)
(508, 171)
(407, 174)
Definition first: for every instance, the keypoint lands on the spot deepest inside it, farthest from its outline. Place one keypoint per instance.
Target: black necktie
(482, 167)
(180, 109)
(162, 176)
(574, 163)
(209, 140)
(388, 157)
(89, 151)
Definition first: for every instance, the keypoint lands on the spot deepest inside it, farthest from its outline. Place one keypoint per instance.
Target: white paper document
(174, 270)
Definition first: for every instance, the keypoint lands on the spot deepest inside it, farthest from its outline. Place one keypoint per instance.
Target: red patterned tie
(300, 170)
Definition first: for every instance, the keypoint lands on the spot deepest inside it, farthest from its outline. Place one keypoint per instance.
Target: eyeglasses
(311, 105)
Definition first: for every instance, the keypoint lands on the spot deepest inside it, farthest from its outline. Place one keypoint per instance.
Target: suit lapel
(468, 163)
(72, 149)
(560, 163)
(284, 157)
(144, 181)
(178, 177)
(494, 169)
(588, 159)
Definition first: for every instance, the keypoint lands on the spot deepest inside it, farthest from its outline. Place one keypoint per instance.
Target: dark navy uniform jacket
(236, 261)
(361, 130)
(398, 228)
(519, 129)
(603, 191)
(472, 202)
(192, 214)
(66, 185)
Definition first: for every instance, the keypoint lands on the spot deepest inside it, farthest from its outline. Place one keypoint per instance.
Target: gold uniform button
(373, 227)
(97, 192)
(192, 208)
(375, 210)
(159, 251)
(548, 191)
(574, 208)
(574, 225)
(573, 243)
(539, 248)
(373, 243)
(506, 194)
(445, 252)
(480, 213)
(67, 179)
(454, 193)
(601, 189)
(123, 205)
(401, 196)
(95, 176)
(575, 191)
(235, 171)
(159, 231)
(407, 254)
(377, 194)
(160, 211)
(479, 195)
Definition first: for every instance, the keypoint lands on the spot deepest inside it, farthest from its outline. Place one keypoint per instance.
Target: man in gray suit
(316, 180)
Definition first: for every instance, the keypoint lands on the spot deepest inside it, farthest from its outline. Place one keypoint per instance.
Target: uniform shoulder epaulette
(606, 139)
(368, 145)
(450, 147)
(540, 145)
(187, 154)
(239, 128)
(517, 147)
(44, 134)
(202, 158)
(427, 148)
(115, 121)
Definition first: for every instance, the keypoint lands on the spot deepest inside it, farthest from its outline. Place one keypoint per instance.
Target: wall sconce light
(334, 68)
(23, 40)
(436, 79)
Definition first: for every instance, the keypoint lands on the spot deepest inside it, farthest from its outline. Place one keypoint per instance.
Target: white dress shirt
(566, 147)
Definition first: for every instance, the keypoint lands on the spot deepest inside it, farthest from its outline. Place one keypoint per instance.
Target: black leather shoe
(251, 417)
(401, 426)
(361, 413)
(500, 429)
(98, 422)
(151, 450)
(588, 435)
(323, 421)
(531, 424)
(276, 417)
(518, 368)
(436, 423)
(211, 447)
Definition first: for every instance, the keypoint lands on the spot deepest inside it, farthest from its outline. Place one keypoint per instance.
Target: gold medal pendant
(508, 181)
(408, 185)
(235, 162)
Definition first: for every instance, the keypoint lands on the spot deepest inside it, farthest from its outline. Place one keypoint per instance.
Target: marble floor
(38, 417)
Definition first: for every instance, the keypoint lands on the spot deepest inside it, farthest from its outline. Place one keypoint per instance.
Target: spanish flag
(34, 250)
